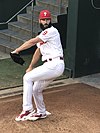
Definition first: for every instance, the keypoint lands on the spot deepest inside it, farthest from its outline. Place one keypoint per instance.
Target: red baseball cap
(44, 14)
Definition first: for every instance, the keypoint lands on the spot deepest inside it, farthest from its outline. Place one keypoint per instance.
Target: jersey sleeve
(46, 35)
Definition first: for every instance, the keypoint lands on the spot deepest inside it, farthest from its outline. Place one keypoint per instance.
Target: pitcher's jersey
(51, 46)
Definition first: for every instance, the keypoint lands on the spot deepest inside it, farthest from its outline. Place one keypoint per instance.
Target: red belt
(50, 59)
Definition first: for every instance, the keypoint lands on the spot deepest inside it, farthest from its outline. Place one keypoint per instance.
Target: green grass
(11, 73)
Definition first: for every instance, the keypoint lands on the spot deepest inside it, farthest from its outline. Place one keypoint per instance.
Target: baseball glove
(16, 58)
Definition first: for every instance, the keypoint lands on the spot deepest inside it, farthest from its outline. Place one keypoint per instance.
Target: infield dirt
(75, 109)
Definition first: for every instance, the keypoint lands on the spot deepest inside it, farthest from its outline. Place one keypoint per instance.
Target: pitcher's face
(45, 23)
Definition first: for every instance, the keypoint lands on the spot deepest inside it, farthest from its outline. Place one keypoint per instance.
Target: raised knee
(26, 77)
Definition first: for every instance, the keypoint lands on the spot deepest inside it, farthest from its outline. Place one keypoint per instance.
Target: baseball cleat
(36, 116)
(24, 114)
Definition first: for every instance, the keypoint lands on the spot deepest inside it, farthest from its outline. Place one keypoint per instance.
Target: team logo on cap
(45, 13)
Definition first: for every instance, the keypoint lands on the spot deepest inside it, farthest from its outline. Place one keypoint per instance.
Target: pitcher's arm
(34, 60)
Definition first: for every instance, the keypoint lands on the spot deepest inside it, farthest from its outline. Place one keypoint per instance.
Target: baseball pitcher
(36, 79)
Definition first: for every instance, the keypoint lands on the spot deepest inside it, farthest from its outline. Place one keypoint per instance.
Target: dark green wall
(10, 7)
(83, 38)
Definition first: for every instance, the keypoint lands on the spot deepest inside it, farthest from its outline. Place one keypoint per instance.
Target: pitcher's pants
(36, 80)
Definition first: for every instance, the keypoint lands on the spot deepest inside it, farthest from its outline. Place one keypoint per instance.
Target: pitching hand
(29, 69)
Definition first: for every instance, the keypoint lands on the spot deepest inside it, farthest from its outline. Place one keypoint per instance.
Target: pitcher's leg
(28, 81)
(38, 96)
(27, 100)
(27, 94)
(41, 73)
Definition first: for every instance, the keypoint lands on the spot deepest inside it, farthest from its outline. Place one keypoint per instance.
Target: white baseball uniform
(40, 77)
